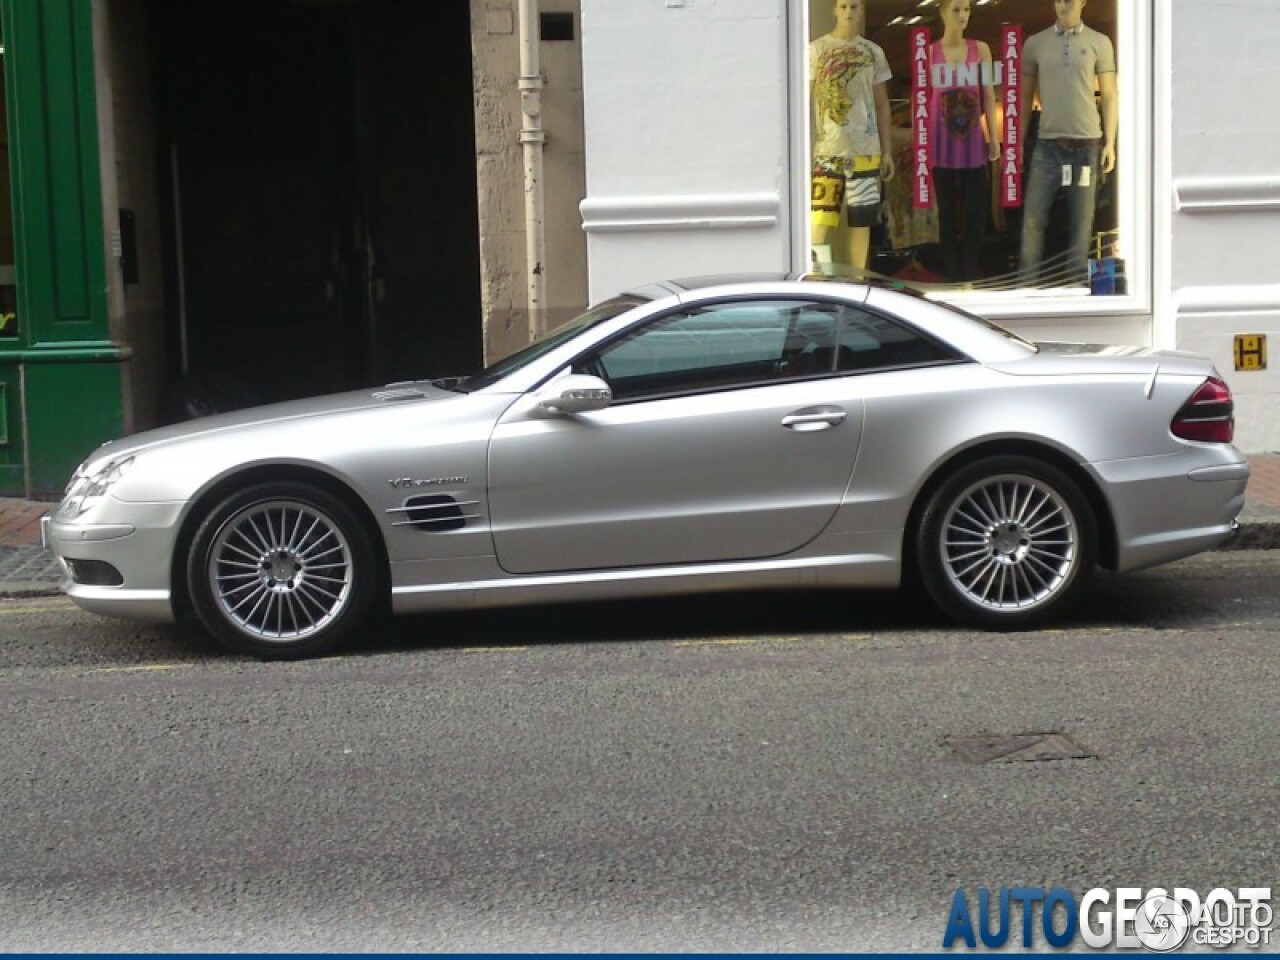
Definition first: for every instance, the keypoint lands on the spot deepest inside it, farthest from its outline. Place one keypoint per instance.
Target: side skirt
(870, 570)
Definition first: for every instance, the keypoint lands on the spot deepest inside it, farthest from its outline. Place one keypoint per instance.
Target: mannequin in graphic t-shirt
(853, 150)
(962, 139)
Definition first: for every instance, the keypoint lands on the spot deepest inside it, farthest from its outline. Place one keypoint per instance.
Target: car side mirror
(576, 393)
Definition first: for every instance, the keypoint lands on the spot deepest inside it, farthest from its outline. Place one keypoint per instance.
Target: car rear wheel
(1006, 543)
(281, 571)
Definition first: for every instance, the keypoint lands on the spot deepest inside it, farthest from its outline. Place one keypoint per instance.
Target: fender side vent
(435, 513)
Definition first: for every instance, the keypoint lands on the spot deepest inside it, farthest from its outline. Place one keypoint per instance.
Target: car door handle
(814, 419)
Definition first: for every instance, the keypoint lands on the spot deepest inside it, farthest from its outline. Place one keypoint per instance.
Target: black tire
(282, 571)
(1006, 543)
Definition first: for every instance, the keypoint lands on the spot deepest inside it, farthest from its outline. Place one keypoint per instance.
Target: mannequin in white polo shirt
(1076, 141)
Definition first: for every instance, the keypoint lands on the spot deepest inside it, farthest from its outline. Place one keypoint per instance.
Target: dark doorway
(321, 184)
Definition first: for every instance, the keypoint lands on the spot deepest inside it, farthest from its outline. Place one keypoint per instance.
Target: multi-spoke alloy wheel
(281, 570)
(1005, 542)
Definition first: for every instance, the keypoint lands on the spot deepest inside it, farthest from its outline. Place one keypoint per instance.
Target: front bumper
(136, 541)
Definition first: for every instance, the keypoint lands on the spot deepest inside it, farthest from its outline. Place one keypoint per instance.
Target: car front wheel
(281, 571)
(1006, 543)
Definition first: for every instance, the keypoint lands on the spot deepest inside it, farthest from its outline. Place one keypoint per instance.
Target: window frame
(1134, 40)
(590, 361)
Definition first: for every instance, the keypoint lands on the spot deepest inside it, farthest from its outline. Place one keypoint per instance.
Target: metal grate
(1012, 748)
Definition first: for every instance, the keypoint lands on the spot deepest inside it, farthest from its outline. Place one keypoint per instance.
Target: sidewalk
(27, 569)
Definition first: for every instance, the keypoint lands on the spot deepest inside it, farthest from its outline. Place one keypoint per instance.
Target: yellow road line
(24, 606)
(746, 641)
(722, 642)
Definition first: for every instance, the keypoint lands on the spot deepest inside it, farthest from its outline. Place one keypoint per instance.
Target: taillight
(1209, 416)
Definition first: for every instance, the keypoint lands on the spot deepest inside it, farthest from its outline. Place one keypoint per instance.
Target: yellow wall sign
(1251, 351)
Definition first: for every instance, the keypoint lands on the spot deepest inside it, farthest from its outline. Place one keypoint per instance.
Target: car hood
(335, 403)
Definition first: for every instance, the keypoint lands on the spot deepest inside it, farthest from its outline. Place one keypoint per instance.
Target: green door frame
(62, 368)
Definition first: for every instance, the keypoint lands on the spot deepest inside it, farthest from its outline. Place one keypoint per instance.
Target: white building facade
(698, 151)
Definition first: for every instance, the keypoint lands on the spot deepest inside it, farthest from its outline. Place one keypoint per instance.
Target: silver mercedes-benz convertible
(708, 435)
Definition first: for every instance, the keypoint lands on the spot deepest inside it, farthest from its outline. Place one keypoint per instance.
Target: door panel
(688, 479)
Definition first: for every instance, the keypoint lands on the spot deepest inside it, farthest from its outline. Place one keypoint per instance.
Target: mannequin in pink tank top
(962, 140)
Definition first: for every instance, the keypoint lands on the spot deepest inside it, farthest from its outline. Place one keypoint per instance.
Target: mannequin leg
(975, 191)
(849, 245)
(826, 210)
(858, 247)
(1080, 207)
(819, 236)
(1043, 177)
(944, 185)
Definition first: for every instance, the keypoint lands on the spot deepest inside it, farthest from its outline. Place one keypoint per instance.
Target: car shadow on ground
(1140, 601)
(1115, 602)
(667, 618)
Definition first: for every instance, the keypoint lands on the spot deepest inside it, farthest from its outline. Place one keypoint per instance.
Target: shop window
(1008, 170)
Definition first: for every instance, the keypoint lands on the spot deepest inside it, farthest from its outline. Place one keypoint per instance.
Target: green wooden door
(60, 373)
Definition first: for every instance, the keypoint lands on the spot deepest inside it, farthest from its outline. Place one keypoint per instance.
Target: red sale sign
(922, 191)
(1011, 153)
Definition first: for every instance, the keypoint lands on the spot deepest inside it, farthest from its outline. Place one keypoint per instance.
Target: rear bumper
(1170, 507)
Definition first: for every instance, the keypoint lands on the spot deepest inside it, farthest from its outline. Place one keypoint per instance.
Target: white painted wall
(687, 139)
(1224, 196)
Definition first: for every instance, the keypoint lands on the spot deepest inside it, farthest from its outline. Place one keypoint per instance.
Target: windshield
(601, 312)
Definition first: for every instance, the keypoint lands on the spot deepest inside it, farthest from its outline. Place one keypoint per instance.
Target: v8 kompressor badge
(401, 482)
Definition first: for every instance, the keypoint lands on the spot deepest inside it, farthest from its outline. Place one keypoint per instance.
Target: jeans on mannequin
(1048, 174)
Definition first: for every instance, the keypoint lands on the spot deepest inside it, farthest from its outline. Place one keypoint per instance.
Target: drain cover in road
(1010, 748)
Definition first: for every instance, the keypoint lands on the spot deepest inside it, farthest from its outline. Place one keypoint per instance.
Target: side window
(869, 341)
(811, 340)
(734, 344)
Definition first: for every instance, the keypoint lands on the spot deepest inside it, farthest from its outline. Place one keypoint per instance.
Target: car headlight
(86, 489)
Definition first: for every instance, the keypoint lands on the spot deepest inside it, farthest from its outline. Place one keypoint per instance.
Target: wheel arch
(1106, 528)
(267, 473)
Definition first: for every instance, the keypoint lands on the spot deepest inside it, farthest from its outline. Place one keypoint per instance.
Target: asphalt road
(764, 773)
